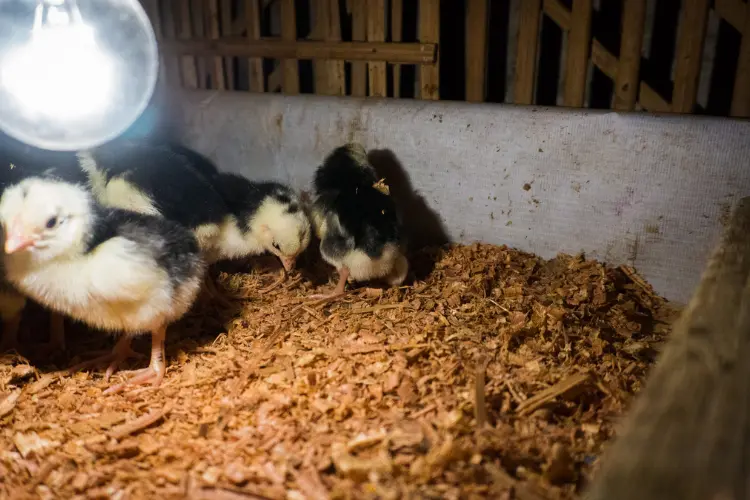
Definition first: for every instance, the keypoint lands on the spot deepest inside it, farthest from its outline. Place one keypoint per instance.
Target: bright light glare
(61, 73)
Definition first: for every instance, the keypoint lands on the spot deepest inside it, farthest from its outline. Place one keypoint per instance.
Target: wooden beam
(476, 49)
(199, 31)
(685, 436)
(629, 64)
(217, 66)
(741, 93)
(405, 53)
(319, 28)
(376, 33)
(289, 34)
(359, 34)
(732, 11)
(226, 30)
(528, 39)
(397, 28)
(336, 71)
(255, 64)
(189, 69)
(558, 13)
(429, 32)
(604, 60)
(689, 54)
(651, 101)
(577, 60)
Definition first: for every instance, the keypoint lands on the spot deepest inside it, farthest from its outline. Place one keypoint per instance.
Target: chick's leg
(120, 353)
(156, 368)
(9, 340)
(340, 286)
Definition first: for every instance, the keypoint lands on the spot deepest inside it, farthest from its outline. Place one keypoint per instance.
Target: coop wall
(654, 55)
(638, 189)
(630, 189)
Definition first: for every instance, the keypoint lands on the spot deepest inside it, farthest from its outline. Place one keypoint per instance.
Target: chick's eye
(51, 222)
(276, 246)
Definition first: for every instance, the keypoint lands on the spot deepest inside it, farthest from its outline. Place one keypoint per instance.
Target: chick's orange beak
(16, 239)
(288, 263)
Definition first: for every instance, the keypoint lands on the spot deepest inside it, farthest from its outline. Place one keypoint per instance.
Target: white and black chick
(113, 269)
(154, 180)
(357, 223)
(19, 162)
(270, 217)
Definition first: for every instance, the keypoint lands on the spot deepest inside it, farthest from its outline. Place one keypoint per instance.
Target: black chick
(356, 220)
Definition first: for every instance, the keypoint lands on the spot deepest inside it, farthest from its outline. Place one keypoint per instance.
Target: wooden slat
(329, 75)
(476, 49)
(732, 11)
(226, 30)
(217, 66)
(273, 48)
(319, 20)
(275, 79)
(336, 72)
(741, 94)
(576, 62)
(197, 8)
(651, 101)
(289, 34)
(376, 33)
(629, 65)
(188, 67)
(170, 33)
(252, 23)
(429, 32)
(558, 13)
(689, 54)
(359, 33)
(152, 11)
(603, 60)
(528, 39)
(397, 28)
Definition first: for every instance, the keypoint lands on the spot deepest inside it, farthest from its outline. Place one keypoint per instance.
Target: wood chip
(376, 394)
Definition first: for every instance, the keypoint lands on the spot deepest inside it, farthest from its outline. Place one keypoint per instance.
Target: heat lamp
(74, 74)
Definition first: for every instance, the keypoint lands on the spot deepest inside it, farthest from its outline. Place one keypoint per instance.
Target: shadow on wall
(422, 224)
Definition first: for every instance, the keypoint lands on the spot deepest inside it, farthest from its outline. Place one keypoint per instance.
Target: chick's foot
(340, 287)
(156, 370)
(121, 352)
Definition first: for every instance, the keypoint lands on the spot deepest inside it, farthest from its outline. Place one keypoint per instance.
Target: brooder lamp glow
(47, 81)
(74, 74)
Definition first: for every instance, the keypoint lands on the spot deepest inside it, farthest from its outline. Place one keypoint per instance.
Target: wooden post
(577, 61)
(189, 69)
(329, 75)
(199, 31)
(289, 33)
(741, 94)
(530, 12)
(252, 19)
(629, 65)
(429, 32)
(217, 66)
(689, 54)
(336, 71)
(376, 33)
(476, 49)
(226, 30)
(686, 435)
(397, 28)
(359, 34)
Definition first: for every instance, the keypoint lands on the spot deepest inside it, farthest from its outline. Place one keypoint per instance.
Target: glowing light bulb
(79, 75)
